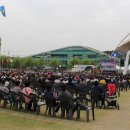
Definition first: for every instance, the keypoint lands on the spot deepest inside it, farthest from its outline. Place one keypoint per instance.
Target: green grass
(19, 121)
(11, 120)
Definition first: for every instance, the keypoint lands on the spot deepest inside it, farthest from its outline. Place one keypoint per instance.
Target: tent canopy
(125, 47)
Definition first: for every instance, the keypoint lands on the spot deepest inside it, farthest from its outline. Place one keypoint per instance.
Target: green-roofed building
(64, 55)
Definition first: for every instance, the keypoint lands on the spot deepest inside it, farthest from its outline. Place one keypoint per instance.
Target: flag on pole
(2, 9)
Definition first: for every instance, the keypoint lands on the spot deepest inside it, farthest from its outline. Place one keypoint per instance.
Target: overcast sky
(34, 26)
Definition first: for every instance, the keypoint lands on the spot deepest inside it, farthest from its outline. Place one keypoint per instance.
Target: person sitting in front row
(27, 90)
(49, 94)
(17, 88)
(73, 103)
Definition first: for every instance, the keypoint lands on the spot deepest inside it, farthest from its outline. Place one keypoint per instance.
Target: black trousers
(32, 104)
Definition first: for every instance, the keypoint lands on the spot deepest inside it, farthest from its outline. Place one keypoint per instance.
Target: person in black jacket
(73, 104)
(96, 93)
(49, 94)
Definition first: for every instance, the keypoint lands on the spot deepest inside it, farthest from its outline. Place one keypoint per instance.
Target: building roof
(89, 48)
(124, 47)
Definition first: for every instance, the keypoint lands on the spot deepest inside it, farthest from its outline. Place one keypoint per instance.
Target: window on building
(58, 55)
(64, 62)
(75, 49)
(92, 56)
(78, 56)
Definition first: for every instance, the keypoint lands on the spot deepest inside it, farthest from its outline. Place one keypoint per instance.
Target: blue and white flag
(2, 9)
(115, 54)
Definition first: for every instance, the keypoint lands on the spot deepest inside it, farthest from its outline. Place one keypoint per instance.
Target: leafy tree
(4, 61)
(54, 64)
(27, 62)
(88, 62)
(73, 62)
(92, 62)
(16, 63)
(40, 62)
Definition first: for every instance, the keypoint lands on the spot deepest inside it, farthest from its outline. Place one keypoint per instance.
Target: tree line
(19, 62)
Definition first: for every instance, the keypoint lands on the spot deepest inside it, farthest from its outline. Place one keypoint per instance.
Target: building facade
(64, 55)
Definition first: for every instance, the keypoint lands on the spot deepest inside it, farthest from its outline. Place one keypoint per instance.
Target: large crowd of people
(66, 84)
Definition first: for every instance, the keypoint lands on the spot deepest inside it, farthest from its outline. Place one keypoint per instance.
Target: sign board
(109, 64)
